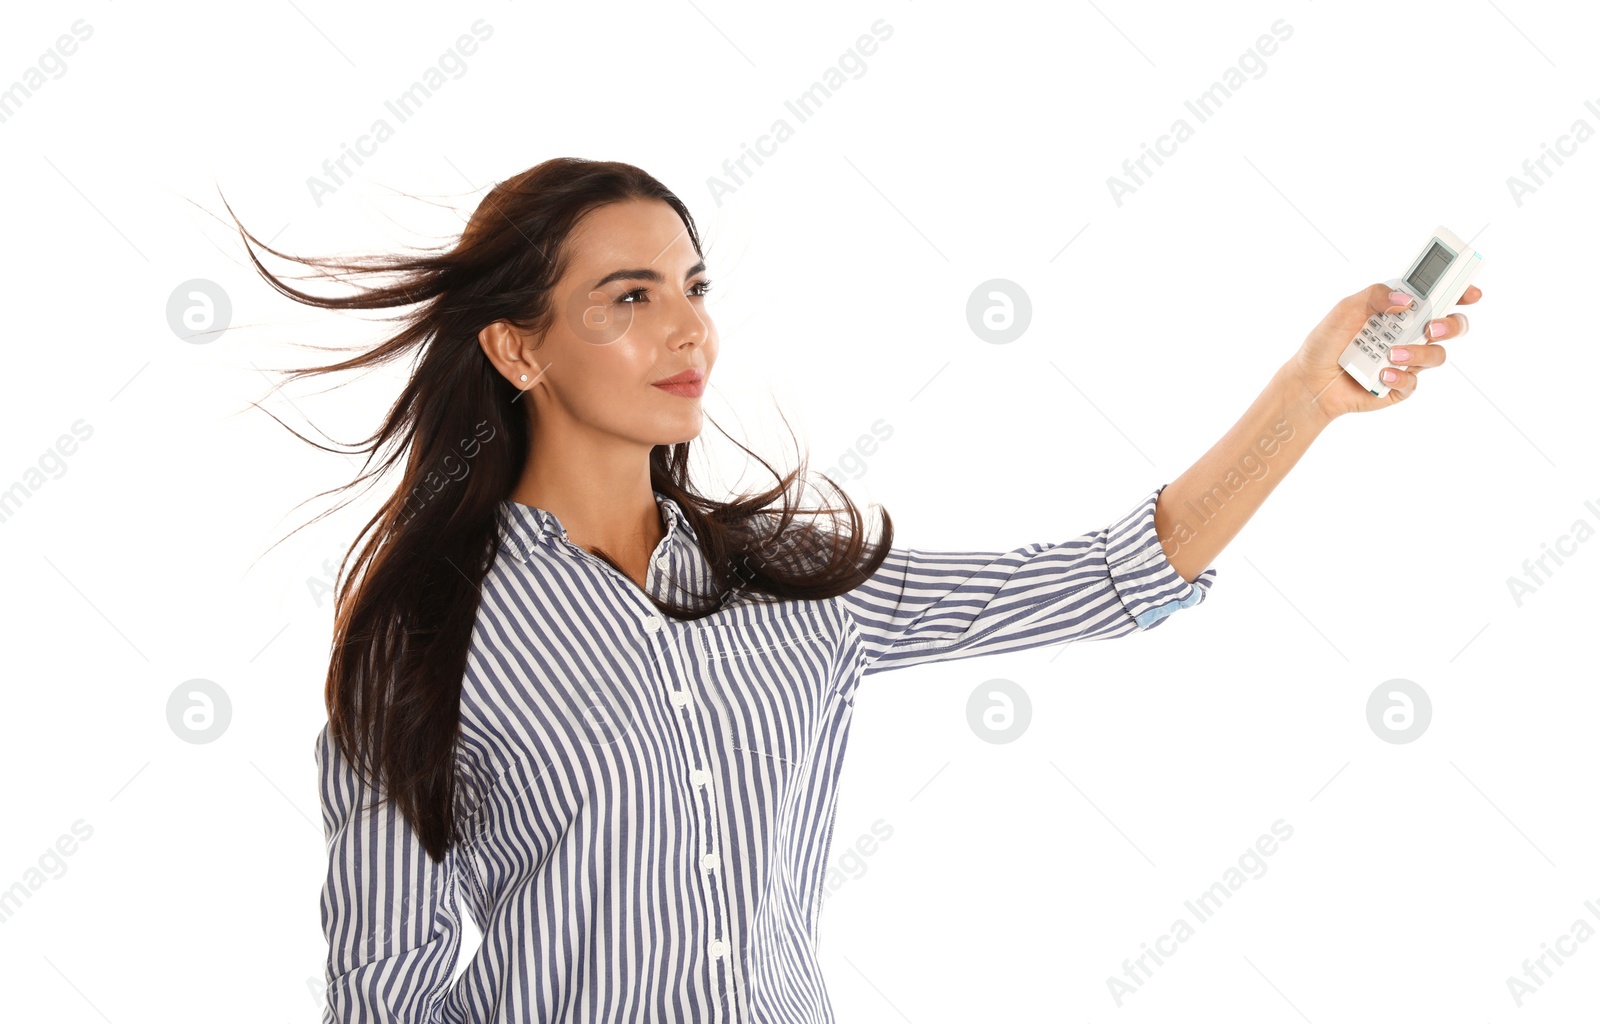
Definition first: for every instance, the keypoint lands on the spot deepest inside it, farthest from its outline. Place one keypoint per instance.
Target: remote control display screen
(1427, 273)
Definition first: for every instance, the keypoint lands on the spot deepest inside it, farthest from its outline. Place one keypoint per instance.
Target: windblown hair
(409, 585)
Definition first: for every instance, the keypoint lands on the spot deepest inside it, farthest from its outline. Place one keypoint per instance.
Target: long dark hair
(406, 604)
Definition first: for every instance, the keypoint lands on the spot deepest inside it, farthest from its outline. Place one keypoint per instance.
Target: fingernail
(1399, 299)
(1389, 376)
(1435, 329)
(1399, 355)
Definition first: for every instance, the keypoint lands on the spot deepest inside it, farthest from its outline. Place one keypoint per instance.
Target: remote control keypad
(1382, 332)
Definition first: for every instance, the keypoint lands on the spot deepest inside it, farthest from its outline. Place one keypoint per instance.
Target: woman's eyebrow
(647, 274)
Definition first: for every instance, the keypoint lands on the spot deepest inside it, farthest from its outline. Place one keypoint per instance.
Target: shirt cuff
(1150, 588)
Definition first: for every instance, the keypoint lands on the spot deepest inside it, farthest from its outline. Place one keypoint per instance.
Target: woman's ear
(507, 348)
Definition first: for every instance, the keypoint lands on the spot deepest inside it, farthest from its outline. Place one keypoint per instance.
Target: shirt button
(680, 698)
(700, 776)
(710, 861)
(652, 623)
(661, 563)
(718, 947)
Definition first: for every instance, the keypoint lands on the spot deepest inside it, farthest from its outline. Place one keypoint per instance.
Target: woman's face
(630, 310)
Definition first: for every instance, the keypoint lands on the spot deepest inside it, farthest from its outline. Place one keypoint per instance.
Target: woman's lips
(692, 388)
(689, 383)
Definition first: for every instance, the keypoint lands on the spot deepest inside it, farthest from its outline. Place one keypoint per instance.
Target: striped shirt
(649, 803)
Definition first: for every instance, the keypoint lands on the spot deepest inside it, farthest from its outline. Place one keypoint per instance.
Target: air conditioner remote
(1438, 277)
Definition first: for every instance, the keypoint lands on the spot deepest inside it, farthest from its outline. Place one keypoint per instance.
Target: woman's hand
(1333, 391)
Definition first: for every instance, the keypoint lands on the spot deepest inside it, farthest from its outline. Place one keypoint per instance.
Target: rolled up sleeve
(925, 606)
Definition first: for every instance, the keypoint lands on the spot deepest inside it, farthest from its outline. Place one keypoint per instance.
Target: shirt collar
(527, 527)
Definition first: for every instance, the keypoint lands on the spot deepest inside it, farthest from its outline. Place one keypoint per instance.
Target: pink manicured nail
(1399, 299)
(1436, 329)
(1389, 376)
(1399, 355)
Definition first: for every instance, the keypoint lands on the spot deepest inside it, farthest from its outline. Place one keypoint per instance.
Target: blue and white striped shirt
(650, 803)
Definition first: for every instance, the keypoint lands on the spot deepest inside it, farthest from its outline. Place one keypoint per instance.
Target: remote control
(1438, 277)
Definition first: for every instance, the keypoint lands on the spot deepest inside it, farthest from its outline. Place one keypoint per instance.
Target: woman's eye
(699, 288)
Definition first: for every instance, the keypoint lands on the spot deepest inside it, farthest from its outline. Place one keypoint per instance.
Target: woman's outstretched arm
(1203, 509)
(1131, 575)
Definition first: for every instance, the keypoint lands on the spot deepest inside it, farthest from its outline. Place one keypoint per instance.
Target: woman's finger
(1417, 356)
(1403, 381)
(1377, 300)
(1451, 326)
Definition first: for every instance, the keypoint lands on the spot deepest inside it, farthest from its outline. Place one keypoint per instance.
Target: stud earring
(524, 377)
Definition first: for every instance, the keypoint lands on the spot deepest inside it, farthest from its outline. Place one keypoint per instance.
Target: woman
(605, 715)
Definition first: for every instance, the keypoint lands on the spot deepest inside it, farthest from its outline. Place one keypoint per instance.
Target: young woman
(605, 715)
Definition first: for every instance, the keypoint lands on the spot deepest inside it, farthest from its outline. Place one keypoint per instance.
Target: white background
(976, 145)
